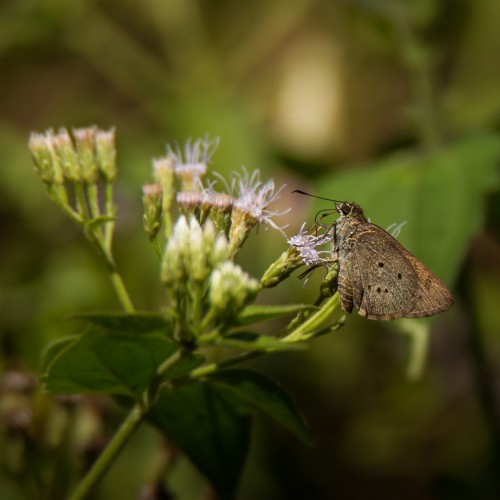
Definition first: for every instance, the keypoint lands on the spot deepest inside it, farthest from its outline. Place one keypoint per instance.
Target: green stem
(171, 361)
(121, 291)
(109, 455)
(81, 202)
(58, 194)
(213, 367)
(197, 306)
(128, 427)
(156, 247)
(110, 211)
(97, 240)
(307, 329)
(93, 197)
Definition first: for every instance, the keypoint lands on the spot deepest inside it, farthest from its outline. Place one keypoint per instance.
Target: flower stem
(307, 329)
(121, 291)
(202, 371)
(109, 455)
(128, 427)
(157, 248)
(110, 211)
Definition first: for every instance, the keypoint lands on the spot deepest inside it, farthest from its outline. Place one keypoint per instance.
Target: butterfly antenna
(314, 196)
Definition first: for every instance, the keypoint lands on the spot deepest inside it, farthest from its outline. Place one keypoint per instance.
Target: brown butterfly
(378, 275)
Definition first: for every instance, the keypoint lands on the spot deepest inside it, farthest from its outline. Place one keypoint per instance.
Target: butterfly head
(347, 209)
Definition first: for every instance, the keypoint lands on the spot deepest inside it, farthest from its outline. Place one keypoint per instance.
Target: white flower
(307, 245)
(253, 197)
(192, 164)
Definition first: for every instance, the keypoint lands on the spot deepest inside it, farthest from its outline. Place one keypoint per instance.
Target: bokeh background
(393, 104)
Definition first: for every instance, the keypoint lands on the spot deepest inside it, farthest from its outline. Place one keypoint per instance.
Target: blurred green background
(392, 104)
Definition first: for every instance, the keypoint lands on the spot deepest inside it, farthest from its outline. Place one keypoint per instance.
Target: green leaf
(254, 342)
(209, 421)
(205, 422)
(54, 348)
(262, 393)
(104, 361)
(253, 314)
(441, 197)
(138, 322)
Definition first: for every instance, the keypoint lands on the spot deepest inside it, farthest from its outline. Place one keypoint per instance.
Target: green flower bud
(47, 165)
(282, 268)
(220, 252)
(85, 147)
(231, 289)
(196, 261)
(67, 156)
(152, 216)
(106, 153)
(164, 175)
(174, 257)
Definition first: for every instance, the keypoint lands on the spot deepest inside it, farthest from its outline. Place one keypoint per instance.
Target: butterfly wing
(385, 281)
(432, 296)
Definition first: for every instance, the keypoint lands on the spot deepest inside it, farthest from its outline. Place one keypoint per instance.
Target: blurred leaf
(253, 314)
(53, 349)
(205, 422)
(254, 342)
(471, 99)
(441, 197)
(138, 322)
(102, 361)
(262, 393)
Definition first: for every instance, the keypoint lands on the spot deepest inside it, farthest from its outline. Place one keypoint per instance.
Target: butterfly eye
(345, 209)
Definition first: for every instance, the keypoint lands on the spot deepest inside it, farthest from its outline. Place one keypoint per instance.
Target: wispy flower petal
(307, 243)
(192, 163)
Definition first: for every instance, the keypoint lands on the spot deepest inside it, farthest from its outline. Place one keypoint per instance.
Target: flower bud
(164, 175)
(47, 165)
(67, 156)
(231, 289)
(152, 201)
(196, 261)
(174, 257)
(85, 147)
(106, 153)
(220, 252)
(282, 268)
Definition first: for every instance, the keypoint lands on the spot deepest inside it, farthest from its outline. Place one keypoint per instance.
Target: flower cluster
(196, 230)
(204, 230)
(181, 177)
(74, 167)
(85, 157)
